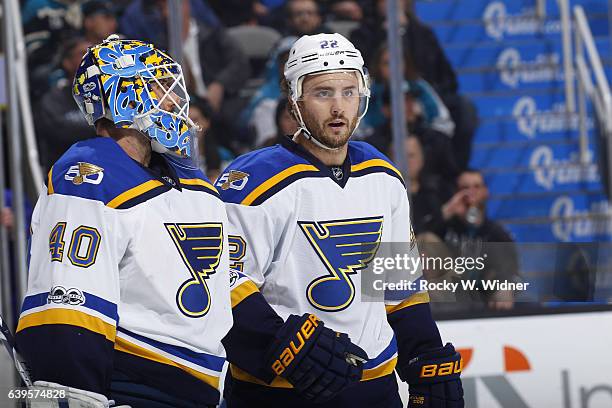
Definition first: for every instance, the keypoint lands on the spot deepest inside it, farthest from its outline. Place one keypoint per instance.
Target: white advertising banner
(545, 361)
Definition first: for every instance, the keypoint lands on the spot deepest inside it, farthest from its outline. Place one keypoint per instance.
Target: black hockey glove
(434, 379)
(317, 361)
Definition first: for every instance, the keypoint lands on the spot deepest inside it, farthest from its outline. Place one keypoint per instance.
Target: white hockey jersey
(305, 234)
(139, 259)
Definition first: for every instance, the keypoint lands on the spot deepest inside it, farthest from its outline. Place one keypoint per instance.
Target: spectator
(58, 122)
(434, 113)
(437, 146)
(211, 158)
(423, 47)
(146, 20)
(349, 10)
(426, 206)
(99, 21)
(214, 64)
(259, 113)
(304, 18)
(47, 24)
(237, 12)
(470, 233)
(286, 124)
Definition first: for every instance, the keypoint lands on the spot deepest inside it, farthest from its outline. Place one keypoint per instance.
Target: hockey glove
(317, 361)
(433, 379)
(45, 395)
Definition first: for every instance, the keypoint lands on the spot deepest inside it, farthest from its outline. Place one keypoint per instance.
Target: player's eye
(348, 93)
(323, 93)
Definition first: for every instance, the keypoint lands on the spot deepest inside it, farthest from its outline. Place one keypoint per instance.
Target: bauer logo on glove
(304, 333)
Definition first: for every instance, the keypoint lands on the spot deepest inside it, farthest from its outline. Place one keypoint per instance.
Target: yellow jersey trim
(50, 189)
(376, 163)
(416, 299)
(128, 347)
(70, 317)
(242, 291)
(382, 370)
(133, 193)
(271, 182)
(198, 182)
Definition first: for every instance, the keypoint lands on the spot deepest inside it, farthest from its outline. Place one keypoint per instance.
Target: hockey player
(129, 282)
(309, 214)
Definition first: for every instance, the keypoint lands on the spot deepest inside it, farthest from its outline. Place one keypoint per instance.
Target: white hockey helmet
(318, 54)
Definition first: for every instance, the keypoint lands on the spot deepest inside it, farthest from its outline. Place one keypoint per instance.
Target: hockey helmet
(320, 54)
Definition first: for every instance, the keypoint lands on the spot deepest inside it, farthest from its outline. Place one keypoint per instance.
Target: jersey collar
(295, 148)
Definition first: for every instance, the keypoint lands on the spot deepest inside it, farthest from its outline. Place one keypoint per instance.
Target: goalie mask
(136, 86)
(322, 54)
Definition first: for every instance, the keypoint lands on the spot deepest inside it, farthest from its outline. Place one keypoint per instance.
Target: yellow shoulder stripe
(50, 189)
(417, 298)
(198, 182)
(70, 317)
(271, 182)
(376, 163)
(133, 349)
(242, 291)
(134, 192)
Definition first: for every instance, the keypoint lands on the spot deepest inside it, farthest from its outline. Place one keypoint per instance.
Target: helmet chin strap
(304, 130)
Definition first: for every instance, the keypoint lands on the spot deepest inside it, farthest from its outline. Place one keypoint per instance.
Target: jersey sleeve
(252, 238)
(68, 320)
(254, 328)
(408, 313)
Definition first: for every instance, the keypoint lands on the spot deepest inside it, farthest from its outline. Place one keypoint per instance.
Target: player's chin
(337, 139)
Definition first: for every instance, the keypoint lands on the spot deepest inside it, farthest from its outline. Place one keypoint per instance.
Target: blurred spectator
(237, 12)
(304, 18)
(286, 124)
(468, 232)
(47, 24)
(212, 158)
(419, 41)
(146, 20)
(57, 119)
(439, 153)
(259, 113)
(7, 218)
(423, 47)
(215, 66)
(426, 207)
(99, 21)
(433, 112)
(349, 10)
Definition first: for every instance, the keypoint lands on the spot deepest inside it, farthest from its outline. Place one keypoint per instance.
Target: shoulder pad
(256, 176)
(366, 159)
(98, 169)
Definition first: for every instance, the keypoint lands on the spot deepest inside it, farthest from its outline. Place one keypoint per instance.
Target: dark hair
(69, 45)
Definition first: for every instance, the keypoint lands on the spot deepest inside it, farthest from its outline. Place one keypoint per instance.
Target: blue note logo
(345, 247)
(200, 246)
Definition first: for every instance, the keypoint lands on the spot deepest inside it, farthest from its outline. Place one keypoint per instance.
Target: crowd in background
(237, 101)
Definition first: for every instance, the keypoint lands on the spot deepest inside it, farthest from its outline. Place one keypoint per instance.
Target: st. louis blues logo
(200, 246)
(345, 247)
